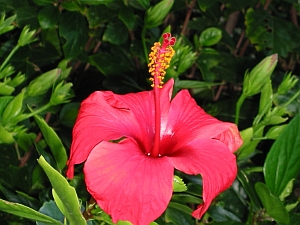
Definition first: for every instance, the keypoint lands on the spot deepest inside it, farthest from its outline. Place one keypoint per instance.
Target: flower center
(160, 58)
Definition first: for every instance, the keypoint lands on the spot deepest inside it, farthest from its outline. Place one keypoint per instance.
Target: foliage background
(54, 53)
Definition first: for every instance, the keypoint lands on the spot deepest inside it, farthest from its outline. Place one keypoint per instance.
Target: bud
(289, 81)
(6, 24)
(61, 93)
(259, 75)
(13, 108)
(26, 37)
(156, 14)
(6, 89)
(5, 136)
(43, 83)
(18, 79)
(266, 98)
(7, 71)
(275, 131)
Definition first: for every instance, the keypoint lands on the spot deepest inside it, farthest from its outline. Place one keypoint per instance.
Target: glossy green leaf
(48, 16)
(219, 214)
(272, 204)
(282, 163)
(127, 16)
(179, 214)
(65, 192)
(210, 36)
(25, 212)
(178, 184)
(186, 84)
(53, 141)
(68, 114)
(27, 15)
(271, 34)
(116, 32)
(51, 209)
(95, 2)
(99, 14)
(73, 28)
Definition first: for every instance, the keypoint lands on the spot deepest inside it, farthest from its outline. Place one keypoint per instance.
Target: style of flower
(131, 178)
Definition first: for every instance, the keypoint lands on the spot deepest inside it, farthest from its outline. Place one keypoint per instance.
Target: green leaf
(73, 28)
(95, 2)
(127, 16)
(65, 192)
(51, 209)
(210, 36)
(219, 214)
(185, 84)
(269, 33)
(68, 114)
(116, 32)
(272, 204)
(53, 141)
(25, 212)
(48, 16)
(27, 16)
(179, 214)
(178, 184)
(282, 163)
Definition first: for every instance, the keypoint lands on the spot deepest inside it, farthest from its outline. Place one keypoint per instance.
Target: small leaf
(178, 184)
(210, 36)
(54, 142)
(272, 204)
(178, 214)
(116, 32)
(282, 163)
(48, 16)
(51, 209)
(73, 28)
(65, 192)
(25, 212)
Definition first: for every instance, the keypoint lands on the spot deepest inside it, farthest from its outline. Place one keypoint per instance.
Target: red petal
(108, 116)
(126, 183)
(213, 160)
(187, 121)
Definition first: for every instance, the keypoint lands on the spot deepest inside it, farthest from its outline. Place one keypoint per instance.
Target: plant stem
(9, 57)
(238, 108)
(33, 113)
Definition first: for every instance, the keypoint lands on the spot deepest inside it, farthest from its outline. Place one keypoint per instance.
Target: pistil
(160, 58)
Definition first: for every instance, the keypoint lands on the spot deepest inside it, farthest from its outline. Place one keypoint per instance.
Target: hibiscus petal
(108, 116)
(187, 121)
(213, 160)
(126, 183)
(99, 118)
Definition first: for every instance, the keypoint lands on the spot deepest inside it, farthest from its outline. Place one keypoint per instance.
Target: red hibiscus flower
(131, 179)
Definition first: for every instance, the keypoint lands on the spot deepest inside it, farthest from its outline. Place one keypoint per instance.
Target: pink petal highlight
(214, 161)
(126, 183)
